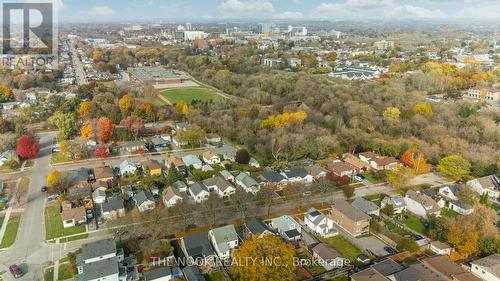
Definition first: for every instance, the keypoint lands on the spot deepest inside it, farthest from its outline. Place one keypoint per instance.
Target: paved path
(5, 223)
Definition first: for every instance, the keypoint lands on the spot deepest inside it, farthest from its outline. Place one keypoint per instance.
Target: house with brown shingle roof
(73, 217)
(421, 204)
(350, 219)
(356, 162)
(104, 174)
(340, 168)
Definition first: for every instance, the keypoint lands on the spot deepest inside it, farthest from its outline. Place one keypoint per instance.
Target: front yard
(313, 268)
(65, 271)
(54, 226)
(10, 233)
(344, 247)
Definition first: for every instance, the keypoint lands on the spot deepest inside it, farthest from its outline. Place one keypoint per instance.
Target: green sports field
(189, 94)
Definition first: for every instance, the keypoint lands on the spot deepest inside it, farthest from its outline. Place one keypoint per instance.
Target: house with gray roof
(319, 223)
(257, 227)
(224, 239)
(248, 183)
(350, 219)
(273, 178)
(227, 176)
(134, 146)
(197, 246)
(365, 206)
(100, 260)
(421, 204)
(219, 185)
(298, 175)
(192, 161)
(113, 208)
(159, 142)
(163, 273)
(199, 192)
(488, 184)
(487, 268)
(449, 191)
(180, 186)
(398, 203)
(287, 227)
(127, 168)
(327, 257)
(78, 176)
(144, 201)
(193, 273)
(460, 207)
(171, 196)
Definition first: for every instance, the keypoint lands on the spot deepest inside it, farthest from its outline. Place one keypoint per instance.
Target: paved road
(77, 65)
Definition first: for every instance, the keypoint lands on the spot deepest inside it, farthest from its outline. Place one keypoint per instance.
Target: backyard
(344, 247)
(54, 226)
(189, 94)
(414, 222)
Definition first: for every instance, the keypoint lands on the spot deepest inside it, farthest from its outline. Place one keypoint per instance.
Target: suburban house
(248, 183)
(327, 257)
(488, 184)
(366, 157)
(397, 201)
(460, 207)
(197, 246)
(99, 195)
(207, 168)
(161, 142)
(350, 219)
(287, 227)
(199, 192)
(256, 227)
(74, 216)
(101, 260)
(212, 138)
(177, 163)
(179, 142)
(384, 163)
(441, 248)
(298, 175)
(227, 176)
(127, 168)
(210, 158)
(355, 162)
(134, 146)
(192, 161)
(193, 273)
(365, 206)
(449, 191)
(144, 201)
(341, 169)
(421, 204)
(7, 156)
(487, 268)
(433, 193)
(447, 269)
(224, 239)
(163, 274)
(219, 185)
(254, 163)
(104, 174)
(319, 223)
(228, 152)
(380, 272)
(79, 176)
(151, 166)
(112, 209)
(180, 186)
(127, 190)
(171, 196)
(317, 171)
(274, 178)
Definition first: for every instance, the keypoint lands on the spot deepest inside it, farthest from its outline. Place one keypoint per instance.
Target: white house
(487, 268)
(248, 183)
(319, 223)
(199, 192)
(144, 201)
(287, 227)
(398, 203)
(227, 176)
(461, 207)
(421, 204)
(488, 184)
(223, 239)
(99, 195)
(298, 175)
(440, 248)
(449, 191)
(219, 185)
(211, 158)
(101, 260)
(127, 168)
(192, 160)
(171, 196)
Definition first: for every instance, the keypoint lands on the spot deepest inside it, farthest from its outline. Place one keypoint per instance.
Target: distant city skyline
(210, 10)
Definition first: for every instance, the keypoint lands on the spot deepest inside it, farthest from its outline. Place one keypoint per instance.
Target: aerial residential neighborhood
(250, 140)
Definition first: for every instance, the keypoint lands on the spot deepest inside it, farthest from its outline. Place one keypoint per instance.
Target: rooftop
(349, 211)
(98, 249)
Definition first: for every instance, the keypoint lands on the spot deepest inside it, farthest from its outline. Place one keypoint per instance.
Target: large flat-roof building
(155, 75)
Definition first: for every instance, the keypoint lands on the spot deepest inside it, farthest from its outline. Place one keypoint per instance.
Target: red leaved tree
(101, 151)
(407, 157)
(27, 147)
(105, 129)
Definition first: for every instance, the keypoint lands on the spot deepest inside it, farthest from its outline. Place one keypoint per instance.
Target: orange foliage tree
(105, 129)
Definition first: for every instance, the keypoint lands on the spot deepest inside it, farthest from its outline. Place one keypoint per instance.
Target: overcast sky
(137, 10)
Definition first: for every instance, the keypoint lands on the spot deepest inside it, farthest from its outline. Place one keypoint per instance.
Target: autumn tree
(105, 129)
(182, 107)
(392, 114)
(285, 119)
(125, 103)
(101, 151)
(454, 166)
(400, 177)
(146, 111)
(348, 191)
(331, 57)
(464, 238)
(194, 136)
(87, 131)
(85, 109)
(423, 109)
(56, 181)
(5, 93)
(27, 147)
(262, 259)
(134, 124)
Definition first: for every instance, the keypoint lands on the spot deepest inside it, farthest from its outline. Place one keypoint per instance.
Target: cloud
(350, 9)
(289, 16)
(480, 10)
(367, 4)
(411, 12)
(252, 8)
(99, 11)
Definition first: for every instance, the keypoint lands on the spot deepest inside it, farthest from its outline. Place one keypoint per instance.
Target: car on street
(307, 193)
(360, 176)
(43, 189)
(357, 178)
(16, 271)
(52, 197)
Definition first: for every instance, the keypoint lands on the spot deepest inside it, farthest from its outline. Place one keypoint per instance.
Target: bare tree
(212, 207)
(240, 200)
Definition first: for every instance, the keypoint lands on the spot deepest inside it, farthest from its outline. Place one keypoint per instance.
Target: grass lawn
(54, 226)
(414, 223)
(314, 269)
(48, 274)
(446, 212)
(158, 102)
(74, 238)
(58, 157)
(340, 278)
(344, 247)
(10, 233)
(369, 177)
(65, 271)
(189, 94)
(216, 276)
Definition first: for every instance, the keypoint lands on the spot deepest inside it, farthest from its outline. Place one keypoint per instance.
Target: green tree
(65, 122)
(454, 166)
(407, 244)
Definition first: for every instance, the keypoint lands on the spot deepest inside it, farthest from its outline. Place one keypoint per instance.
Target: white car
(357, 178)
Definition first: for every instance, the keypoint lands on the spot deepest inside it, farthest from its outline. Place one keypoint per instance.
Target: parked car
(16, 271)
(307, 193)
(43, 189)
(357, 178)
(52, 197)
(360, 176)
(363, 259)
(390, 250)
